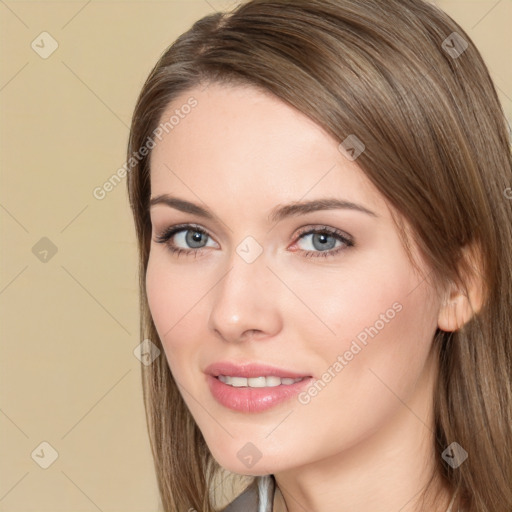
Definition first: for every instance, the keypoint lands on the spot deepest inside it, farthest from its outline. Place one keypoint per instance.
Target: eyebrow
(276, 215)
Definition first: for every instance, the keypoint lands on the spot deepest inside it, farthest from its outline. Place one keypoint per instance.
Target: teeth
(257, 382)
(272, 381)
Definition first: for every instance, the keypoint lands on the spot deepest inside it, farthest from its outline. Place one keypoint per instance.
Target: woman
(319, 189)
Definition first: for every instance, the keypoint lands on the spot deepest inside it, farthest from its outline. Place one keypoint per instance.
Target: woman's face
(342, 307)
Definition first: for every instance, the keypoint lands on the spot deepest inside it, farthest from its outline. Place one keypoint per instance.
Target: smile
(257, 382)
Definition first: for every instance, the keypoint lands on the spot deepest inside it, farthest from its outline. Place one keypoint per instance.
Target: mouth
(270, 381)
(252, 371)
(252, 388)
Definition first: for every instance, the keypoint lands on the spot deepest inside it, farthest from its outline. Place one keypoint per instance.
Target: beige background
(69, 321)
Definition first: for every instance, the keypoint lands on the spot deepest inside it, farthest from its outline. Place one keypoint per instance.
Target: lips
(251, 370)
(226, 383)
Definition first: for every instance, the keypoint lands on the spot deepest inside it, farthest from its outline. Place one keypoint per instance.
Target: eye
(189, 239)
(185, 239)
(323, 241)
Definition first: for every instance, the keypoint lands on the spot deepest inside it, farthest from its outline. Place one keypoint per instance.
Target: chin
(260, 467)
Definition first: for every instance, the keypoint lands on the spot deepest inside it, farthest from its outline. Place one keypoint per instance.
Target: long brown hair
(393, 73)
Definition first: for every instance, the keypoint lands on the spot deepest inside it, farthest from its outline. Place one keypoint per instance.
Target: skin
(365, 441)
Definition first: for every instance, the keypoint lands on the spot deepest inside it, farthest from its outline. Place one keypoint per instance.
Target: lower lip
(246, 399)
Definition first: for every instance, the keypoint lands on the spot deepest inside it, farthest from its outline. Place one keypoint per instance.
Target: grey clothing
(258, 497)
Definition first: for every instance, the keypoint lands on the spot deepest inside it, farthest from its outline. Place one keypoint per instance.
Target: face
(241, 286)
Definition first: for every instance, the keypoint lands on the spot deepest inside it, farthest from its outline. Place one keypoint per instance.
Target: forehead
(244, 143)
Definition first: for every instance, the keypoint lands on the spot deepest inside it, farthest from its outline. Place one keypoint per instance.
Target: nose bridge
(245, 299)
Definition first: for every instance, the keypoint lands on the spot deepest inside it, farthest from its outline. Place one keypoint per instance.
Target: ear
(460, 304)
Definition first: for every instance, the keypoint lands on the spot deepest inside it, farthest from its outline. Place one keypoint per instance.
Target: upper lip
(249, 370)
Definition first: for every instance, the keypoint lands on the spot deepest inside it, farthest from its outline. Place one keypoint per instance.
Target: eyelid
(170, 231)
(317, 228)
(342, 236)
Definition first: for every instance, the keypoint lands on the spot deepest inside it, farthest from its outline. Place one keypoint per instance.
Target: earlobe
(460, 305)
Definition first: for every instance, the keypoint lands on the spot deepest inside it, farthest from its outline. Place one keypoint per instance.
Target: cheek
(172, 302)
(376, 361)
(359, 297)
(384, 336)
(382, 317)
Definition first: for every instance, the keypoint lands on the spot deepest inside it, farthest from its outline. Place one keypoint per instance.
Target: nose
(246, 302)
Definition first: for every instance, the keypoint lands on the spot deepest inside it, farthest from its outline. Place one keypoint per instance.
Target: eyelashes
(192, 234)
(166, 236)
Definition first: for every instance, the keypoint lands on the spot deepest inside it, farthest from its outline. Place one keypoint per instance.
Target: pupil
(320, 241)
(194, 238)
